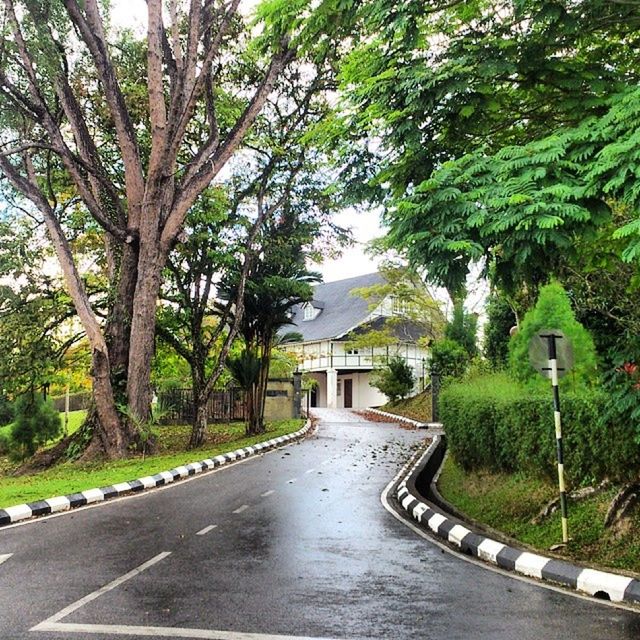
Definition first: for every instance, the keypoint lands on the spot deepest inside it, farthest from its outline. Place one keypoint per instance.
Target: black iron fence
(177, 407)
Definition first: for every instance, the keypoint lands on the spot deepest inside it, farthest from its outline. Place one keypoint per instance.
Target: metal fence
(223, 406)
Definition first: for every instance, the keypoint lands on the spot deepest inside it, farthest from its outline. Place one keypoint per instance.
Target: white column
(332, 388)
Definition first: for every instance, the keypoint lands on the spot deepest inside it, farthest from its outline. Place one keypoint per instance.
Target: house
(332, 319)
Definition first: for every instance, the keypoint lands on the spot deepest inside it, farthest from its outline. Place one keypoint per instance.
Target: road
(294, 543)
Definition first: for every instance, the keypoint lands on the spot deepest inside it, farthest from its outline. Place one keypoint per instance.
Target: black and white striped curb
(19, 512)
(610, 586)
(395, 416)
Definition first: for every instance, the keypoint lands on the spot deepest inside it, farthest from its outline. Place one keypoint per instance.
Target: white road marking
(203, 532)
(96, 594)
(267, 493)
(163, 632)
(244, 507)
(4, 557)
(310, 471)
(329, 461)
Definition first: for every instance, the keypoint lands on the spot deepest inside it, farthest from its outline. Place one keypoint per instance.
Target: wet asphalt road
(294, 543)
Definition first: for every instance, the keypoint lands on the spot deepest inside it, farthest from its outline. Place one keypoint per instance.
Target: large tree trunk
(143, 323)
(200, 399)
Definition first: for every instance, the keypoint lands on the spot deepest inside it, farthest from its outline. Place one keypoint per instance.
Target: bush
(448, 358)
(553, 311)
(494, 423)
(36, 422)
(396, 380)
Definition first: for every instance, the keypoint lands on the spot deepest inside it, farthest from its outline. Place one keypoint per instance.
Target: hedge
(494, 423)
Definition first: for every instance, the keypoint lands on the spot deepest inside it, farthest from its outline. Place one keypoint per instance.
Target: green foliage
(463, 329)
(504, 142)
(448, 358)
(395, 380)
(244, 368)
(36, 422)
(553, 311)
(622, 385)
(6, 410)
(494, 423)
(500, 319)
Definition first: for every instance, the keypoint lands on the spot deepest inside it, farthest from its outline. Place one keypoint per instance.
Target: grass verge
(508, 503)
(417, 407)
(71, 477)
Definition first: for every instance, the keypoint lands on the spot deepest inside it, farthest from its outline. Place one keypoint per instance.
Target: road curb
(19, 512)
(395, 416)
(601, 584)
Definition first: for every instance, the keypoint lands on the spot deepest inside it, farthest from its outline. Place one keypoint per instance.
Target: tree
(552, 311)
(448, 358)
(36, 316)
(278, 280)
(415, 303)
(500, 320)
(280, 170)
(201, 82)
(36, 422)
(463, 328)
(465, 166)
(395, 380)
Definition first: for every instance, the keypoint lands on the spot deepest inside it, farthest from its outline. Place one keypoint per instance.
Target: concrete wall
(279, 402)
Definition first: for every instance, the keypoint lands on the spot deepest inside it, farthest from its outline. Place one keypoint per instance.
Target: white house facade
(343, 374)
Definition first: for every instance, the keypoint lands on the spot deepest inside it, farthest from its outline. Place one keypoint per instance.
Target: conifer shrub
(36, 422)
(553, 311)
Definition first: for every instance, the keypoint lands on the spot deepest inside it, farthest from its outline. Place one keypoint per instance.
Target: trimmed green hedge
(494, 423)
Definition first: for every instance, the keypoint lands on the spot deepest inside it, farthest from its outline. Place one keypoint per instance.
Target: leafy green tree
(126, 134)
(36, 329)
(448, 358)
(466, 167)
(278, 280)
(395, 380)
(36, 422)
(553, 311)
(463, 328)
(500, 320)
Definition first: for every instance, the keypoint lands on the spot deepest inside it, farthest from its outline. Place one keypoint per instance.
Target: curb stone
(601, 584)
(415, 423)
(16, 513)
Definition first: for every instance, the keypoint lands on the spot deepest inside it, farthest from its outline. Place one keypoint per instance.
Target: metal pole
(553, 366)
(66, 411)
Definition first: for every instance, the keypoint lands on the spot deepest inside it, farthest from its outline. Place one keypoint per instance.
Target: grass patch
(72, 477)
(417, 407)
(508, 503)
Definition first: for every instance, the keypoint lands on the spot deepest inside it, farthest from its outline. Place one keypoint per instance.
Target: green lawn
(417, 408)
(71, 477)
(508, 503)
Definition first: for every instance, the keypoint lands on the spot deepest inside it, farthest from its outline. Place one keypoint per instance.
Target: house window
(352, 352)
(308, 312)
(400, 307)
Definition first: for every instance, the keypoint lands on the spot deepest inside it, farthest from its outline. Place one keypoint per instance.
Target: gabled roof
(340, 311)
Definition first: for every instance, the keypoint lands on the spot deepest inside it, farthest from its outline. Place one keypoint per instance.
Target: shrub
(494, 423)
(552, 311)
(36, 422)
(448, 358)
(396, 380)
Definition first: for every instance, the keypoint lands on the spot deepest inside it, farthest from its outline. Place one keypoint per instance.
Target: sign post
(556, 347)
